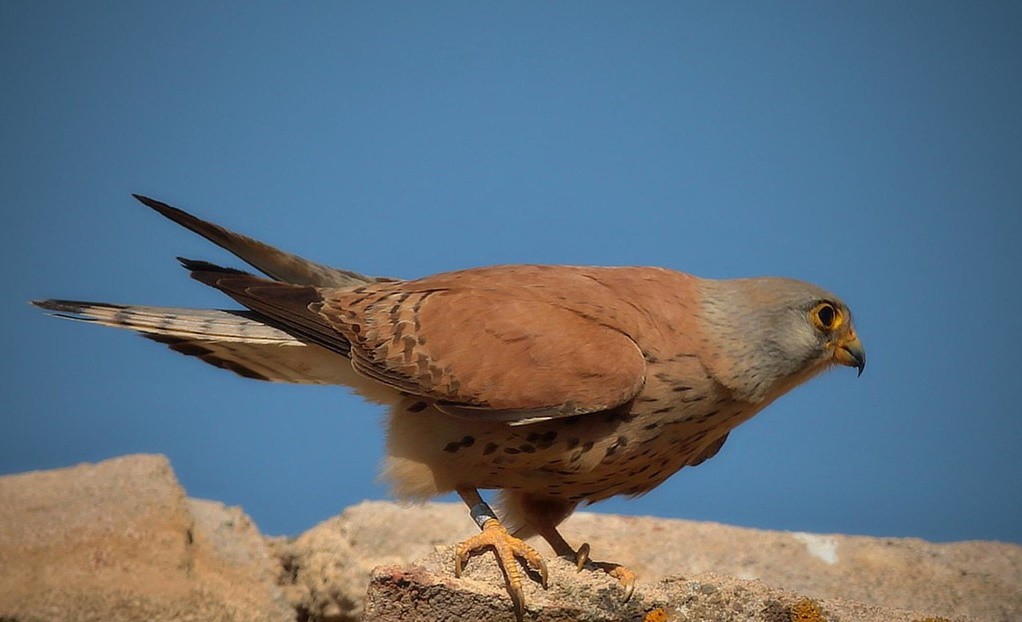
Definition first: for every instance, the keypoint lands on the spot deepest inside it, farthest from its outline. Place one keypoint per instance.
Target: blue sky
(872, 148)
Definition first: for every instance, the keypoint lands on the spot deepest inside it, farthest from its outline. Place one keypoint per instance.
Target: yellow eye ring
(826, 316)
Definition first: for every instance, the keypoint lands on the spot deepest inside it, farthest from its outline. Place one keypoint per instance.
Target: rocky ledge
(119, 540)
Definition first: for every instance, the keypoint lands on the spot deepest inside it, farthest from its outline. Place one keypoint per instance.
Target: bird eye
(826, 317)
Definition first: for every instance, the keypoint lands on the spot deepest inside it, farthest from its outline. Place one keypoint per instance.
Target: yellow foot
(507, 548)
(624, 576)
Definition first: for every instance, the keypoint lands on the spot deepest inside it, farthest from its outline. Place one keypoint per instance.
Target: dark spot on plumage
(511, 450)
(663, 376)
(588, 445)
(527, 448)
(573, 442)
(422, 364)
(190, 348)
(622, 440)
(665, 409)
(490, 448)
(650, 358)
(680, 388)
(467, 441)
(619, 414)
(237, 368)
(355, 328)
(422, 338)
(452, 447)
(436, 374)
(709, 415)
(544, 440)
(650, 426)
(417, 407)
(694, 398)
(648, 399)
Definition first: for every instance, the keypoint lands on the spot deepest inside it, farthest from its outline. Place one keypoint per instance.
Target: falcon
(554, 385)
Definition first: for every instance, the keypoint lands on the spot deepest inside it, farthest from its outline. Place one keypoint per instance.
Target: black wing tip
(159, 206)
(198, 265)
(208, 230)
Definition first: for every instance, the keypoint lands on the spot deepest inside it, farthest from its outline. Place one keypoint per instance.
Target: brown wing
(489, 352)
(481, 350)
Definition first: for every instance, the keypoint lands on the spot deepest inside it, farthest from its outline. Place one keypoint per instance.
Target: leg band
(481, 513)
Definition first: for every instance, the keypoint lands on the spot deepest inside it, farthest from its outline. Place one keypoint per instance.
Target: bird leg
(505, 546)
(624, 576)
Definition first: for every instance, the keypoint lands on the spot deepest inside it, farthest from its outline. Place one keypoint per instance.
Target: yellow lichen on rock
(656, 615)
(806, 610)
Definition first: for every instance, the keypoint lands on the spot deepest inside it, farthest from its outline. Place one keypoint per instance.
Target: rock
(328, 567)
(428, 592)
(331, 563)
(118, 540)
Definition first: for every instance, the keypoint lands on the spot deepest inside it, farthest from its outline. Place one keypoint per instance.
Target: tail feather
(238, 341)
(282, 304)
(273, 262)
(252, 343)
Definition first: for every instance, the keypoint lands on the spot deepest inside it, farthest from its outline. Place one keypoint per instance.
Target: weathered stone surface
(328, 567)
(978, 580)
(118, 540)
(428, 592)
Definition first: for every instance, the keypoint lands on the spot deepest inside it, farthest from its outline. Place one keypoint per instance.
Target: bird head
(769, 334)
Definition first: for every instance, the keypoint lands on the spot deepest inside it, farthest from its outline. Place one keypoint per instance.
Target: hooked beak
(849, 351)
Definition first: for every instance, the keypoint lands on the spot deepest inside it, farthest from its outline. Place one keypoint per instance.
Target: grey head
(771, 334)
